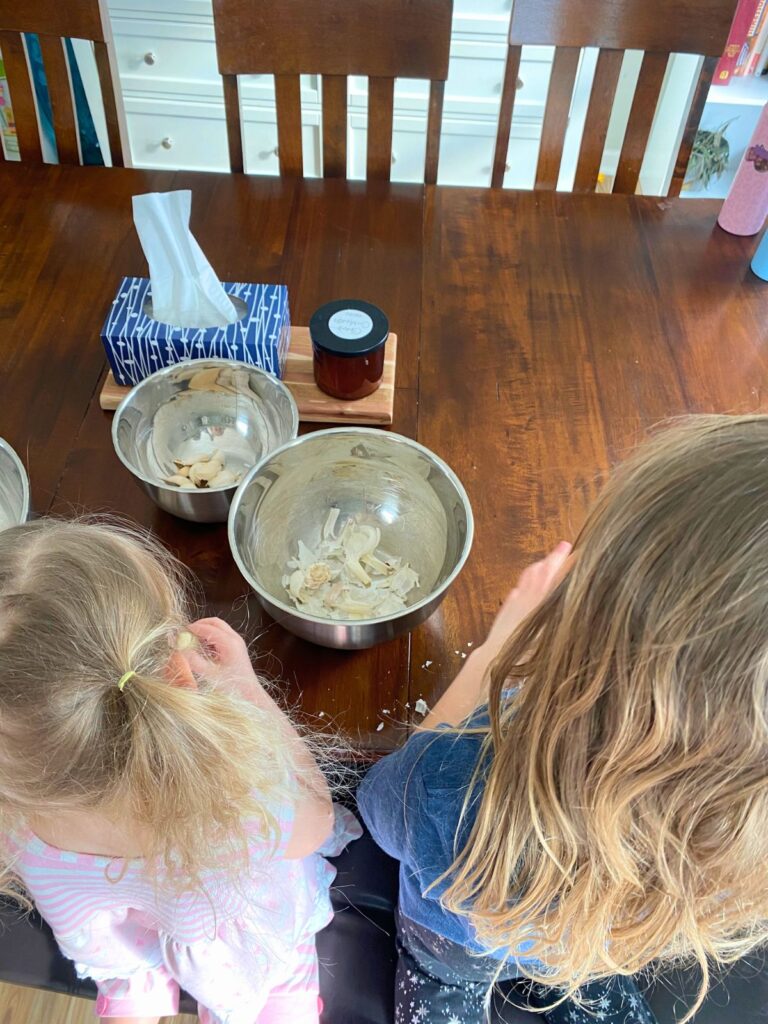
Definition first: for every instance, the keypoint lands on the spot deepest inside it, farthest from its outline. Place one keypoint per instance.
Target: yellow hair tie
(124, 679)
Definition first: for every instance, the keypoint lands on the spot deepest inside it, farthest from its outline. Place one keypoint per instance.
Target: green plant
(709, 157)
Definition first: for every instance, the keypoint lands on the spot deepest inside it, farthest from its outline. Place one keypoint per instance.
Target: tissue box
(136, 345)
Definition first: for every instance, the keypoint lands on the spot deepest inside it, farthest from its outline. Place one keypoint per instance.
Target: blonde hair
(623, 817)
(81, 605)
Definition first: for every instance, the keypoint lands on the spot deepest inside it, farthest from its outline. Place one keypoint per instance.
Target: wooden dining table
(541, 336)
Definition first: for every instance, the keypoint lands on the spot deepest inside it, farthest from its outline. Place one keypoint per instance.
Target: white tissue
(185, 290)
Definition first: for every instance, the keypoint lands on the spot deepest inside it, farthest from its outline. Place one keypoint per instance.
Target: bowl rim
(166, 371)
(370, 432)
(23, 476)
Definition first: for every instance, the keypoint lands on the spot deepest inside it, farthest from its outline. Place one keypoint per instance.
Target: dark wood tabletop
(541, 335)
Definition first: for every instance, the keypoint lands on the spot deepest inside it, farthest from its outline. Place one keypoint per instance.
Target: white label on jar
(350, 324)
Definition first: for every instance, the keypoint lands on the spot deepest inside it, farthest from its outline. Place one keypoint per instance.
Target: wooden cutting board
(314, 405)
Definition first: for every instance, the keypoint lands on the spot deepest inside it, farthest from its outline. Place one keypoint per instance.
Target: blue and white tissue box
(137, 345)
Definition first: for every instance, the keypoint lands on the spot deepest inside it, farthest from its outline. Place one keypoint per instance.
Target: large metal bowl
(247, 411)
(391, 482)
(14, 488)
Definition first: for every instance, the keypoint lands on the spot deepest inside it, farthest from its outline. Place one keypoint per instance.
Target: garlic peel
(344, 577)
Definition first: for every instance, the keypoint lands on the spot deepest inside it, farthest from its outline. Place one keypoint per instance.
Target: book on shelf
(747, 65)
(759, 52)
(737, 49)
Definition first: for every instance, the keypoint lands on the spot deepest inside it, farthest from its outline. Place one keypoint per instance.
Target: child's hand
(533, 586)
(227, 649)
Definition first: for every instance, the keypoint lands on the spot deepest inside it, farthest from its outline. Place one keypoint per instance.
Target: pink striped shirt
(116, 923)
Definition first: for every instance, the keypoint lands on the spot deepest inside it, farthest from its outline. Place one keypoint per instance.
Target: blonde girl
(589, 797)
(157, 806)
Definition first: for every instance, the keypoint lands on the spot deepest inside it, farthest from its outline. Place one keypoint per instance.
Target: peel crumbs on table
(379, 727)
(347, 575)
(421, 707)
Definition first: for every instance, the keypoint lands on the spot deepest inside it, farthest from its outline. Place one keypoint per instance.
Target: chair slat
(558, 107)
(288, 102)
(598, 115)
(234, 132)
(334, 126)
(434, 125)
(22, 100)
(508, 91)
(644, 102)
(110, 106)
(60, 93)
(381, 93)
(692, 124)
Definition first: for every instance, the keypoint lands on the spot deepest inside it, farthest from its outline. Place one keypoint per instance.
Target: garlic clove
(179, 481)
(186, 640)
(202, 473)
(224, 478)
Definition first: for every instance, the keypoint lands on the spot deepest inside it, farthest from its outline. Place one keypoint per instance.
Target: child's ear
(178, 672)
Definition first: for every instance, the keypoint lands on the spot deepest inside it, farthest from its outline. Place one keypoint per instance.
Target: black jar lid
(348, 327)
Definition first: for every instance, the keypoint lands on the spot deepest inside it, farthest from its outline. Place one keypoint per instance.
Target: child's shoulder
(446, 758)
(435, 760)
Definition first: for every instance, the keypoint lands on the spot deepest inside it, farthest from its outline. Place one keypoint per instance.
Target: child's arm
(468, 689)
(314, 809)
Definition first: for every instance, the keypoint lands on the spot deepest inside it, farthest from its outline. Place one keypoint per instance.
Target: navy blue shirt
(412, 803)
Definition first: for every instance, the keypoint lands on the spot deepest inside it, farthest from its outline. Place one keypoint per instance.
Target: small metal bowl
(403, 488)
(246, 411)
(14, 488)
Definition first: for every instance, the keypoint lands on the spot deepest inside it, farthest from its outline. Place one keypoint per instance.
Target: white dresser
(175, 111)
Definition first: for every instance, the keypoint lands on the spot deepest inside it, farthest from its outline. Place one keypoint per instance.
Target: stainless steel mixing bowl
(14, 488)
(246, 412)
(389, 481)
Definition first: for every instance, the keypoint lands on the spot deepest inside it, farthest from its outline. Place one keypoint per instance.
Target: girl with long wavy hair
(588, 800)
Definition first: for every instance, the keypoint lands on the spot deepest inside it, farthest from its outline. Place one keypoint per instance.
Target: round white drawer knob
(167, 142)
(150, 58)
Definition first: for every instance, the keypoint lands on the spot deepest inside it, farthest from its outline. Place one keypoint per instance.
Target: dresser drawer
(194, 137)
(475, 79)
(184, 53)
(466, 152)
(196, 140)
(476, 76)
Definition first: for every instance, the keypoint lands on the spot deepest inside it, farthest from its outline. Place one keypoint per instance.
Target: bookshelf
(739, 102)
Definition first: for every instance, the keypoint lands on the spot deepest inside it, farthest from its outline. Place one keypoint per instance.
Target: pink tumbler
(746, 205)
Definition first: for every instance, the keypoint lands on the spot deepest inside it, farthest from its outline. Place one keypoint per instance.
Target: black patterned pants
(440, 982)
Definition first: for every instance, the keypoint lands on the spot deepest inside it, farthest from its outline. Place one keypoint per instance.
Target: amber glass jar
(348, 340)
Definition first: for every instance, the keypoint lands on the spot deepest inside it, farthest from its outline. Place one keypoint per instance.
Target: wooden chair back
(380, 39)
(659, 29)
(54, 21)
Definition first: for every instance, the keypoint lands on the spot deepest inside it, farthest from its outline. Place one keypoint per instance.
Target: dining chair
(53, 21)
(659, 29)
(380, 39)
